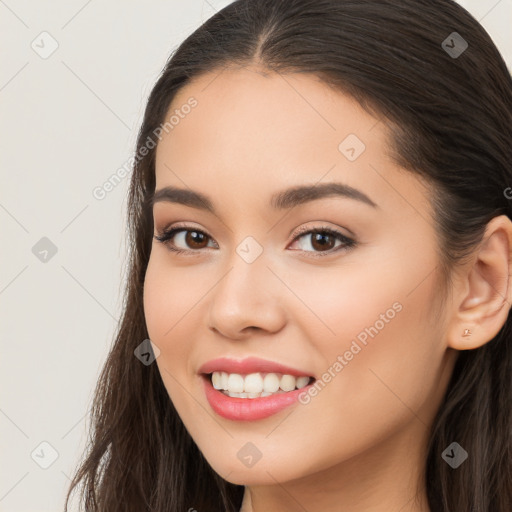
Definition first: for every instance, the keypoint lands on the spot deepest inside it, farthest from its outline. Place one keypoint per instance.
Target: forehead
(244, 109)
(252, 133)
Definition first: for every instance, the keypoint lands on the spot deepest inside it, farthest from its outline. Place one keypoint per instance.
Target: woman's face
(357, 315)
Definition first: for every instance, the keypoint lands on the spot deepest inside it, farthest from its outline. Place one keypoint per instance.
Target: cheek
(157, 300)
(337, 305)
(374, 330)
(166, 303)
(165, 309)
(168, 298)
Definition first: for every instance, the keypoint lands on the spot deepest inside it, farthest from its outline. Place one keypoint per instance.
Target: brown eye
(181, 239)
(195, 239)
(322, 241)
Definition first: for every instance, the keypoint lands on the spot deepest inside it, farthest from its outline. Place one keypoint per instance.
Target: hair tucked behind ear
(450, 121)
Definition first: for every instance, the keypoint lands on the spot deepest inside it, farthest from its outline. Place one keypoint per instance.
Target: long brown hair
(450, 114)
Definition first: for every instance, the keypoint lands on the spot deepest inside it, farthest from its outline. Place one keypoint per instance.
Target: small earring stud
(467, 332)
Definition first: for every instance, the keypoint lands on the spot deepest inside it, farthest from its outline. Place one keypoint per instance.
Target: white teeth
(255, 385)
(250, 395)
(216, 380)
(301, 382)
(271, 383)
(238, 395)
(235, 383)
(287, 382)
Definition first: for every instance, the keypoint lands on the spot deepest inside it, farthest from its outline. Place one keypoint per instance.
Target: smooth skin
(360, 443)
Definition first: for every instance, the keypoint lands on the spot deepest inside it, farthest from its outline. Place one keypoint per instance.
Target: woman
(320, 219)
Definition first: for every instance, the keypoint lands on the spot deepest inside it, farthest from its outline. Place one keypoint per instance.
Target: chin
(260, 473)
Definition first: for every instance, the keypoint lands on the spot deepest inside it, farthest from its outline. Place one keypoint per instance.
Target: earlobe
(467, 332)
(483, 306)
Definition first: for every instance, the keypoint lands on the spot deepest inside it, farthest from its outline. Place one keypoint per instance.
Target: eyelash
(348, 243)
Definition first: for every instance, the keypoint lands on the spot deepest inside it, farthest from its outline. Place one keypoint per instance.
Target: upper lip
(249, 365)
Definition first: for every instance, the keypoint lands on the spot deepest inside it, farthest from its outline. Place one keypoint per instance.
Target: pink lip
(249, 409)
(249, 365)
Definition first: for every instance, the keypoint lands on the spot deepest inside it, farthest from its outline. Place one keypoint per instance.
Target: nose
(248, 297)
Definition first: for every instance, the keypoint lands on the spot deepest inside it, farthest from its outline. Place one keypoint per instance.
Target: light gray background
(68, 122)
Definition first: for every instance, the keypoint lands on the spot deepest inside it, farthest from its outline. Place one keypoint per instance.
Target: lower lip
(249, 409)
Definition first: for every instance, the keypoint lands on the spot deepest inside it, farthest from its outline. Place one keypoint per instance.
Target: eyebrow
(284, 199)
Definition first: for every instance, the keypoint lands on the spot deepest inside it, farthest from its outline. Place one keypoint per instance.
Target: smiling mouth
(256, 385)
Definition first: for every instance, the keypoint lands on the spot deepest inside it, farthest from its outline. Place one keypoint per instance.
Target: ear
(484, 290)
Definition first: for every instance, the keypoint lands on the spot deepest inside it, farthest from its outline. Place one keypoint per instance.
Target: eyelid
(316, 228)
(348, 243)
(168, 232)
